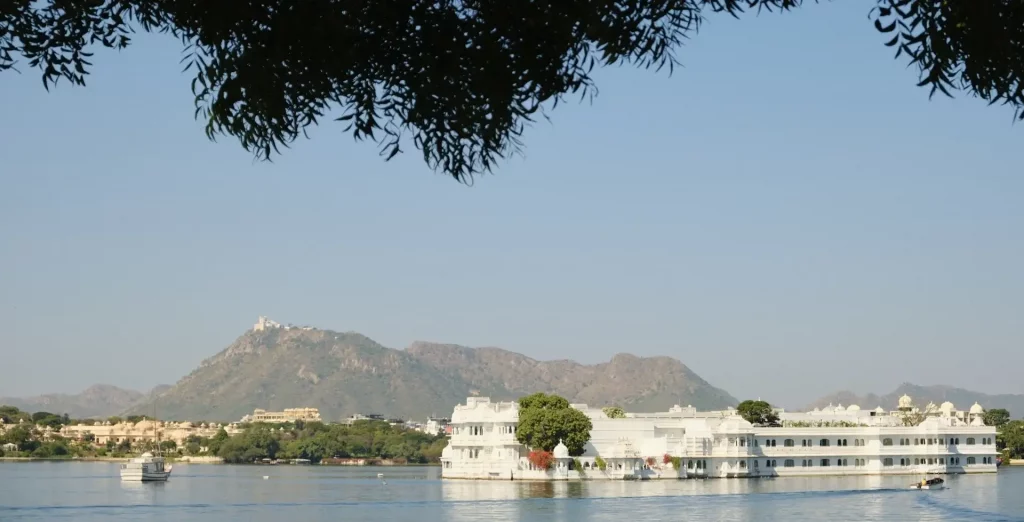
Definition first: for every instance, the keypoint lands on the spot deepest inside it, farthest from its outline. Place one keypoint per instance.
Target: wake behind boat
(933, 483)
(145, 468)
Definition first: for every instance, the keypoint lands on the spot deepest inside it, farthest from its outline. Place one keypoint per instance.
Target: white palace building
(832, 441)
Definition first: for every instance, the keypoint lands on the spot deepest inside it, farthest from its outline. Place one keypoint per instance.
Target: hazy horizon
(696, 370)
(788, 215)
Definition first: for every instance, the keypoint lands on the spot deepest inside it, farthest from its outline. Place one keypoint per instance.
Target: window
(767, 463)
(970, 460)
(888, 442)
(773, 443)
(788, 443)
(743, 464)
(788, 463)
(843, 442)
(917, 462)
(823, 442)
(773, 463)
(689, 465)
(825, 463)
(942, 461)
(903, 462)
(970, 442)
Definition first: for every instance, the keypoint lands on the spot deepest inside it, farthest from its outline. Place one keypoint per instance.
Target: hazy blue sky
(788, 215)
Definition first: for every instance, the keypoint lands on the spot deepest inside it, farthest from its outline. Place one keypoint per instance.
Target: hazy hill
(101, 400)
(637, 383)
(345, 373)
(922, 395)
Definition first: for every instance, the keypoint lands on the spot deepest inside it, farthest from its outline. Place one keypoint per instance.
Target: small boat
(932, 483)
(145, 468)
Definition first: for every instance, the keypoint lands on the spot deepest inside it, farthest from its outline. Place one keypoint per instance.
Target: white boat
(145, 468)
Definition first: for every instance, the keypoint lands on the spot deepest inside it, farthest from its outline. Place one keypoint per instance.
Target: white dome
(853, 407)
(977, 409)
(561, 452)
(947, 406)
(906, 401)
(879, 410)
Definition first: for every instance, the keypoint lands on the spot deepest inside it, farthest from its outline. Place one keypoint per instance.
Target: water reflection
(94, 493)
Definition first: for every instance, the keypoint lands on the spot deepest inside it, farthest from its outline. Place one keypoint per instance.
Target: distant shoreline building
(288, 415)
(145, 431)
(265, 323)
(721, 444)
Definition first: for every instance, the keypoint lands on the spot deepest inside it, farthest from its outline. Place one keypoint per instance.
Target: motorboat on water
(145, 468)
(932, 483)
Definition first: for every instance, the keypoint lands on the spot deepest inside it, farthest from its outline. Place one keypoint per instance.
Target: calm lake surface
(92, 491)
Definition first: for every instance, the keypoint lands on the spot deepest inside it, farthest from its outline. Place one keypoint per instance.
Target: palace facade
(720, 444)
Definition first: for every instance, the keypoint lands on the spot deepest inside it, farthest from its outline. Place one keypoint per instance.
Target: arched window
(767, 463)
(887, 442)
(823, 442)
(970, 442)
(689, 465)
(773, 463)
(789, 463)
(743, 464)
(825, 462)
(788, 443)
(970, 460)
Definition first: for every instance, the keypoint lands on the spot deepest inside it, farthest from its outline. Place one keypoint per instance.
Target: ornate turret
(561, 451)
(906, 402)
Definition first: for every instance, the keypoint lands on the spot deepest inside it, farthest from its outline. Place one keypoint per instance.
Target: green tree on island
(996, 417)
(546, 419)
(461, 79)
(614, 412)
(1010, 439)
(758, 413)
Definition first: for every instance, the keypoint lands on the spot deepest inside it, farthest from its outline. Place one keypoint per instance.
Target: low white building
(288, 415)
(685, 443)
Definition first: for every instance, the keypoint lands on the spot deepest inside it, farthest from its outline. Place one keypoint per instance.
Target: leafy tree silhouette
(461, 77)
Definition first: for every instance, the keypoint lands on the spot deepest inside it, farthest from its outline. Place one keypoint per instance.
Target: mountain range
(922, 395)
(342, 373)
(100, 400)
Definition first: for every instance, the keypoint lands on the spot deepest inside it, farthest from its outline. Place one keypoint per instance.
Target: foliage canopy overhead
(461, 77)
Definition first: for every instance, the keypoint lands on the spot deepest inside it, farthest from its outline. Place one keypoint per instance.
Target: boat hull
(140, 476)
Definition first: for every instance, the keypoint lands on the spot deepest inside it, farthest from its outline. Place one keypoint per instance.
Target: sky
(788, 214)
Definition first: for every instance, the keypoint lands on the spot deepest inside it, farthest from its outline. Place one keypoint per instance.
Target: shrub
(601, 464)
(666, 459)
(541, 459)
(676, 463)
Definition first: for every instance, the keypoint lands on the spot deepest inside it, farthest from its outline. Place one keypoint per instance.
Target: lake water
(92, 491)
